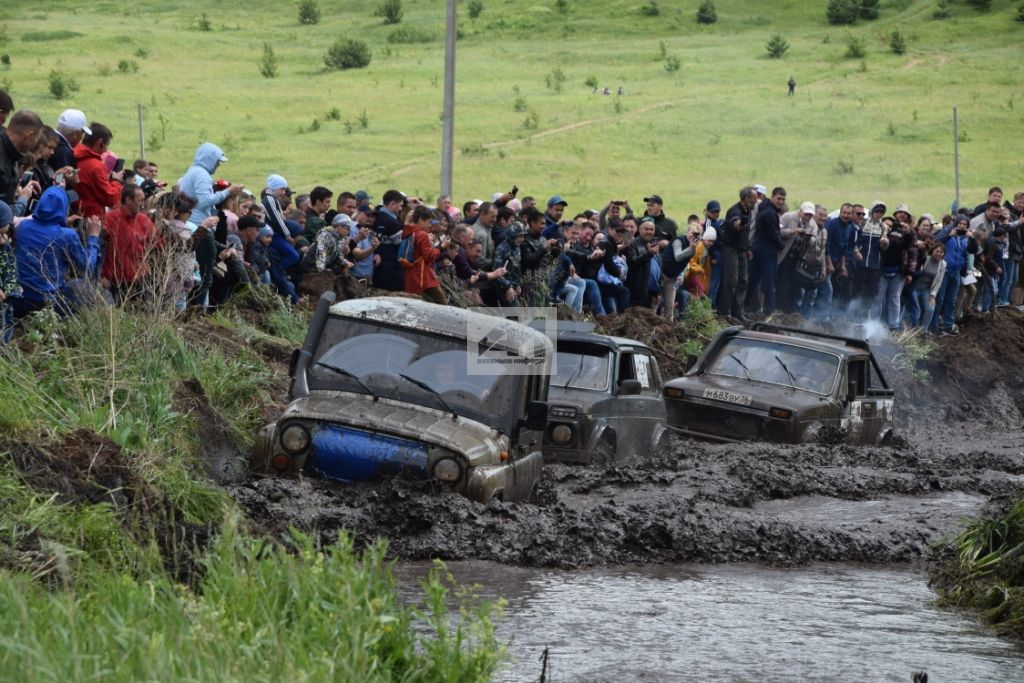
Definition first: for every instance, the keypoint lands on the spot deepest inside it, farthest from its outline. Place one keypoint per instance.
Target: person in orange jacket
(98, 189)
(420, 277)
(698, 275)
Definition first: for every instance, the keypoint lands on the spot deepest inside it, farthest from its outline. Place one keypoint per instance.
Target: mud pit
(777, 505)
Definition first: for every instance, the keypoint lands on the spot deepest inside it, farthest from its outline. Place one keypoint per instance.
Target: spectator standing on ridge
(868, 256)
(98, 188)
(387, 272)
(15, 141)
(485, 221)
(131, 237)
(792, 86)
(644, 247)
(283, 255)
(766, 244)
(553, 216)
(71, 128)
(48, 252)
(9, 286)
(733, 237)
(197, 183)
(420, 277)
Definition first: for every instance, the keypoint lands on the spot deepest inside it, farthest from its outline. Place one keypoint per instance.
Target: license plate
(727, 397)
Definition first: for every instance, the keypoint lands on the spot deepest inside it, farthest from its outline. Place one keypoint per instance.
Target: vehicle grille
(722, 421)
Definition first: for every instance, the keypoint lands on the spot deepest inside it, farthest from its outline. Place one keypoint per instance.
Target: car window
(378, 356)
(582, 367)
(772, 362)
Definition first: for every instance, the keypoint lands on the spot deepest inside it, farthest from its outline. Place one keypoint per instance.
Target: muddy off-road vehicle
(605, 403)
(382, 387)
(785, 385)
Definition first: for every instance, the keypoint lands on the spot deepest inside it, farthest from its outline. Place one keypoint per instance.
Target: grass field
(857, 129)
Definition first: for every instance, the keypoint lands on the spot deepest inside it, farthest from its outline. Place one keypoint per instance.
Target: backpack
(407, 251)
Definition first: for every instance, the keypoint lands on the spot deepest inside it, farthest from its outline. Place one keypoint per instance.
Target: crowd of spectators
(74, 218)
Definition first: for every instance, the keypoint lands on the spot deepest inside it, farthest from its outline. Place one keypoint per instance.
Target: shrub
(776, 46)
(520, 104)
(63, 85)
(706, 13)
(128, 66)
(562, 6)
(348, 54)
(391, 10)
(651, 9)
(1020, 12)
(268, 62)
(5, 60)
(843, 167)
(333, 115)
(868, 9)
(410, 34)
(532, 121)
(591, 82)
(855, 47)
(897, 43)
(980, 5)
(555, 79)
(672, 64)
(475, 8)
(203, 23)
(309, 12)
(941, 10)
(842, 12)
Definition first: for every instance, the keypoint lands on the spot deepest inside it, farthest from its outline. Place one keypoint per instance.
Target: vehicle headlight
(561, 434)
(295, 438)
(562, 411)
(447, 469)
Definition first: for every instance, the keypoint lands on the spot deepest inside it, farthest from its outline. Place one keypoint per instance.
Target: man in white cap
(71, 128)
(282, 248)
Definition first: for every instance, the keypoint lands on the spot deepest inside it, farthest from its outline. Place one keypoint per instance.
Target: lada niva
(781, 384)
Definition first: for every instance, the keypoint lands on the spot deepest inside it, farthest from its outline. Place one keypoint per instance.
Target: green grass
(262, 612)
(982, 569)
(721, 121)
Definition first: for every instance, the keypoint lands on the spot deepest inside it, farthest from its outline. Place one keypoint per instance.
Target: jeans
(592, 297)
(668, 297)
(683, 299)
(921, 307)
(572, 295)
(865, 291)
(614, 297)
(282, 257)
(762, 272)
(733, 288)
(989, 285)
(891, 289)
(815, 303)
(950, 288)
(716, 282)
(1011, 273)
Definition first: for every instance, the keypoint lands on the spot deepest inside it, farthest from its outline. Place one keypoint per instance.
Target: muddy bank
(697, 502)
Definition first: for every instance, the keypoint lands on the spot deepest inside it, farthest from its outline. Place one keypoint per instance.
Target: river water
(731, 623)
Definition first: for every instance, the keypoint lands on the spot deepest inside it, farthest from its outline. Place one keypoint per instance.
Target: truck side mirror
(537, 415)
(851, 390)
(630, 387)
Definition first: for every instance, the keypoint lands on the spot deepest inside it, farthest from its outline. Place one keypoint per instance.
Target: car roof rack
(849, 341)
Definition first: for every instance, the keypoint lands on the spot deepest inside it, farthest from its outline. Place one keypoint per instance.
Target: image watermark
(512, 341)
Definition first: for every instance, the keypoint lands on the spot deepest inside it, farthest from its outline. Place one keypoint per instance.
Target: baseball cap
(362, 197)
(265, 231)
(807, 207)
(343, 219)
(557, 199)
(367, 209)
(760, 189)
(6, 215)
(654, 198)
(74, 119)
(276, 182)
(249, 221)
(713, 205)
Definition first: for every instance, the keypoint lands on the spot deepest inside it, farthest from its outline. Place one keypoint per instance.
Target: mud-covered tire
(604, 451)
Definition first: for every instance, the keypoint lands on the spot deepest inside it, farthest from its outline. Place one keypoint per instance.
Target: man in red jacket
(131, 238)
(98, 189)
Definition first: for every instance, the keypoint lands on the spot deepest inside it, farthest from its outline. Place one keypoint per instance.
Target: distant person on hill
(792, 86)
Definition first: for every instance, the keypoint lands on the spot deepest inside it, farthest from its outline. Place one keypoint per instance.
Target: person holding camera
(644, 247)
(539, 253)
(954, 237)
(98, 189)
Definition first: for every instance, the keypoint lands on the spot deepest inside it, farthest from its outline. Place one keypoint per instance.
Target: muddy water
(731, 622)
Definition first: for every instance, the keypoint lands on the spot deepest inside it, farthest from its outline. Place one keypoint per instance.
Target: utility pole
(956, 158)
(448, 136)
(142, 138)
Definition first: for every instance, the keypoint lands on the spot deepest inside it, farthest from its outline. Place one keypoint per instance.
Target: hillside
(856, 129)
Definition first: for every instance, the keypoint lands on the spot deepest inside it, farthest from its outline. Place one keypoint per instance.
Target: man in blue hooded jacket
(197, 183)
(48, 252)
